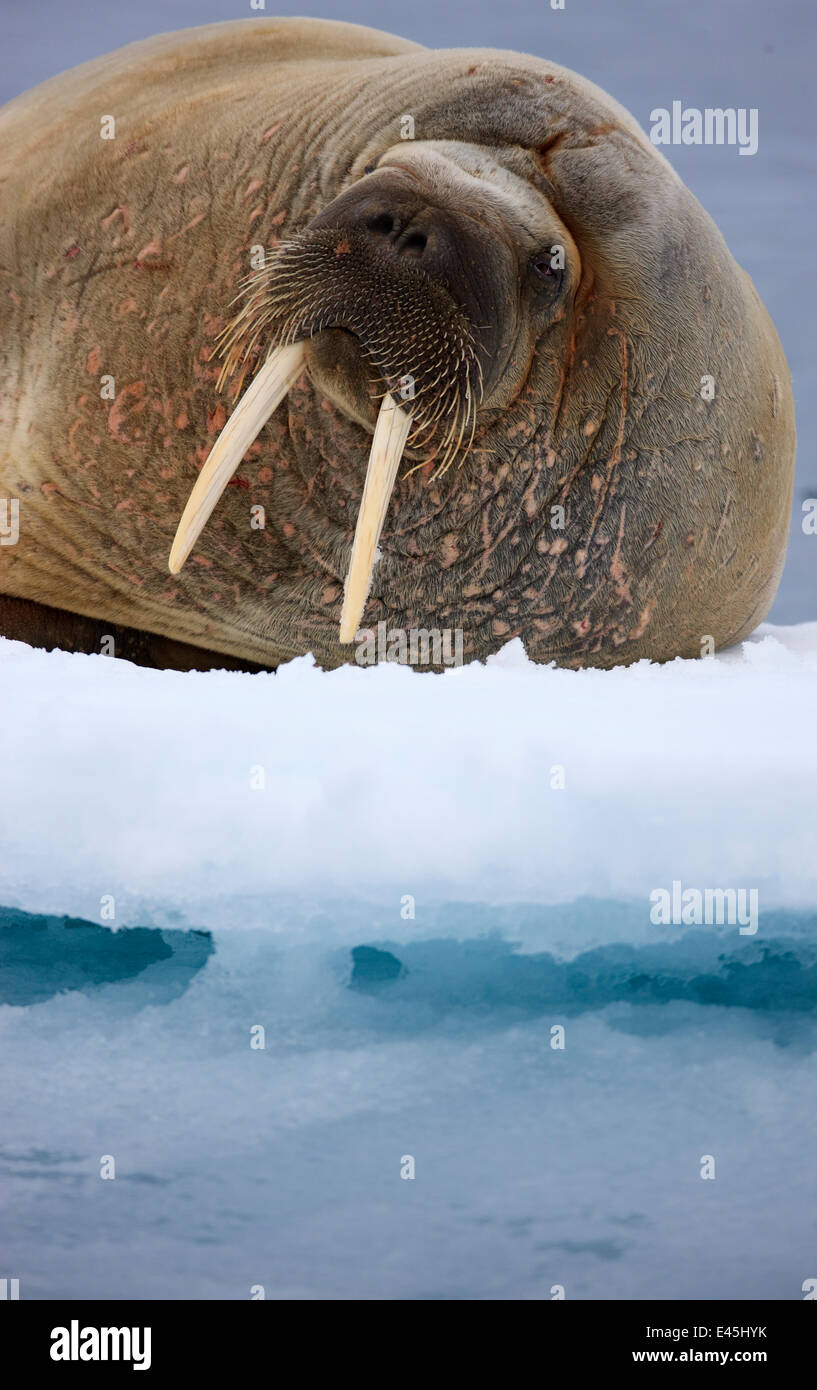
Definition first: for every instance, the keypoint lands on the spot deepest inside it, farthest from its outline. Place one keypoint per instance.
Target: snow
(383, 782)
(386, 793)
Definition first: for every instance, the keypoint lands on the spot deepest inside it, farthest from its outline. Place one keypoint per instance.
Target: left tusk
(390, 435)
(271, 384)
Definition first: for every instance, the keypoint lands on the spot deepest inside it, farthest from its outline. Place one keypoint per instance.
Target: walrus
(307, 328)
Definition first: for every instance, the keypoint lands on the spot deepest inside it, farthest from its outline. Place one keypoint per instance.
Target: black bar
(387, 1341)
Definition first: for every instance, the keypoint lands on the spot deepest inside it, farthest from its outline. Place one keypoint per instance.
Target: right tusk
(279, 372)
(390, 435)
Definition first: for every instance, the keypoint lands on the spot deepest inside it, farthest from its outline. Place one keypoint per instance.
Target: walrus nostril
(414, 243)
(405, 239)
(382, 224)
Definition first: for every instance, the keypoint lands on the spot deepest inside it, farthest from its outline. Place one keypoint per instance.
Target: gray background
(646, 53)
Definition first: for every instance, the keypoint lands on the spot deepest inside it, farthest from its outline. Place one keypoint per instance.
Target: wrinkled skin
(121, 257)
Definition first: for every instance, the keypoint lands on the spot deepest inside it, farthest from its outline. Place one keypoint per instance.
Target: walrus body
(607, 508)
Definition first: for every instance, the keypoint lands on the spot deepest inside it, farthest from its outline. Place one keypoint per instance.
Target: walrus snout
(397, 216)
(418, 343)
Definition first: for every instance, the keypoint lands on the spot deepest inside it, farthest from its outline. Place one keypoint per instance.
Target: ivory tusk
(390, 435)
(268, 389)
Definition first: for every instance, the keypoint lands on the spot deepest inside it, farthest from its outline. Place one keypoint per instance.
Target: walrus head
(424, 287)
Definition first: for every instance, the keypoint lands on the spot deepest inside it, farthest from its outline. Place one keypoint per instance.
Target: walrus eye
(370, 168)
(542, 268)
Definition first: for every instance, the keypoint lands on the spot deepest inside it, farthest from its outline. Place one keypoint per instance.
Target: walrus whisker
(306, 287)
(256, 406)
